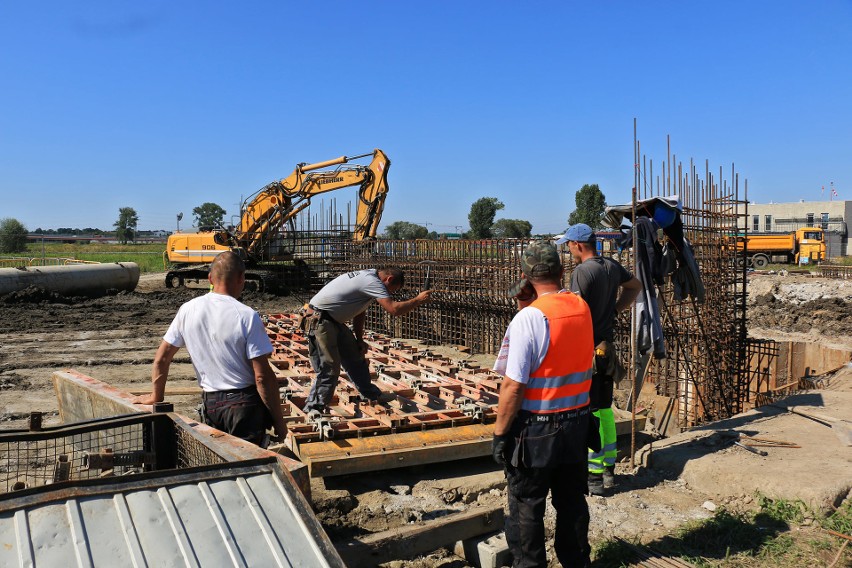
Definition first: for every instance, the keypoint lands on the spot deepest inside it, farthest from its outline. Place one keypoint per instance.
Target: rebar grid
(431, 391)
(710, 365)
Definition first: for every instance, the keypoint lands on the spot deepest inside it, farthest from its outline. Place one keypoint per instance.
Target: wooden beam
(410, 541)
(379, 453)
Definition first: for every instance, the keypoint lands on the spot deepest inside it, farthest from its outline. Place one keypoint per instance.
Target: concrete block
(488, 551)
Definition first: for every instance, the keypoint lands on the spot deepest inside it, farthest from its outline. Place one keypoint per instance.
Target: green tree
(403, 230)
(481, 216)
(13, 235)
(125, 227)
(511, 229)
(590, 202)
(208, 215)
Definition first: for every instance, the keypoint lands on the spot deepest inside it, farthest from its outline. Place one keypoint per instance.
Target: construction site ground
(681, 478)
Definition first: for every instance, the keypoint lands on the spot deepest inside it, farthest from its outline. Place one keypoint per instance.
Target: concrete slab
(818, 473)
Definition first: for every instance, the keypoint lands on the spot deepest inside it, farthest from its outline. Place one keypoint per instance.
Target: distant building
(831, 216)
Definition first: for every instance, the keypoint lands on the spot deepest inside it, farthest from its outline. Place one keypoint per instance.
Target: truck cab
(811, 248)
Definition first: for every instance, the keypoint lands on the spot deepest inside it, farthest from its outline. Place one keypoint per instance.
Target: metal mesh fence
(87, 450)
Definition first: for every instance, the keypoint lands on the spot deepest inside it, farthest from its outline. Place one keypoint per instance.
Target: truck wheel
(760, 261)
(740, 262)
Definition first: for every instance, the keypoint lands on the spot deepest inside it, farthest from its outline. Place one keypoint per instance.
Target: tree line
(589, 200)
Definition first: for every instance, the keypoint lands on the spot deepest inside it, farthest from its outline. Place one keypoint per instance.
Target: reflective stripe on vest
(563, 379)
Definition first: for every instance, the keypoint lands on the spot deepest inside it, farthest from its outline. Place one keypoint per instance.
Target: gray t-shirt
(597, 280)
(350, 294)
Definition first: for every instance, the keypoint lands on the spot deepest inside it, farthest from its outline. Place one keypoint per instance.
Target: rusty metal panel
(234, 514)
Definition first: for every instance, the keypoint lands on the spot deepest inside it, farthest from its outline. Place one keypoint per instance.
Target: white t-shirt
(222, 335)
(350, 294)
(524, 346)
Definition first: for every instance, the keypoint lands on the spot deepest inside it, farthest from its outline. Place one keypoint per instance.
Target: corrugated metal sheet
(228, 515)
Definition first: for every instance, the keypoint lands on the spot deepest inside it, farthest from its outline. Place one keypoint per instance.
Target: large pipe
(72, 280)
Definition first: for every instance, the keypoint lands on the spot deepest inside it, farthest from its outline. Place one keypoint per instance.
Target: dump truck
(802, 246)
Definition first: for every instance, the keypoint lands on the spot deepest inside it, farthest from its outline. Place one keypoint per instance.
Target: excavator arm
(278, 202)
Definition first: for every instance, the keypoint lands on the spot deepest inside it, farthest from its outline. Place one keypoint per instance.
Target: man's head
(392, 277)
(540, 263)
(581, 241)
(227, 273)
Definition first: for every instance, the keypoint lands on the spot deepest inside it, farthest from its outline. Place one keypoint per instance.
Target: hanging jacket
(649, 271)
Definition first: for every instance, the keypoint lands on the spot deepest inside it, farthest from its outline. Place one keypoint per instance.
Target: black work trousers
(239, 412)
(548, 458)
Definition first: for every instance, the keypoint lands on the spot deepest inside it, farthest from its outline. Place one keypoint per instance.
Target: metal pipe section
(72, 280)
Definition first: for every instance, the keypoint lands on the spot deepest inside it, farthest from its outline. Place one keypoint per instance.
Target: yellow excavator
(263, 217)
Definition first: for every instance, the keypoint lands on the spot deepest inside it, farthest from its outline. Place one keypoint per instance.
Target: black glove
(498, 449)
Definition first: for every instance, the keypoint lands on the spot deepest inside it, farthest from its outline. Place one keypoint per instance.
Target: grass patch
(771, 536)
(841, 520)
(149, 257)
(781, 510)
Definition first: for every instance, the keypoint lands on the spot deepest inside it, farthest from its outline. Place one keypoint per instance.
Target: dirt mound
(829, 316)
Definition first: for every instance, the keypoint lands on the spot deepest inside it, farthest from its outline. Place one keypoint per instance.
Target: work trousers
(548, 458)
(332, 345)
(239, 412)
(600, 401)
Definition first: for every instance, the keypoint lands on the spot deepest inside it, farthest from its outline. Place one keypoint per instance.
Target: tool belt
(606, 361)
(308, 316)
(554, 417)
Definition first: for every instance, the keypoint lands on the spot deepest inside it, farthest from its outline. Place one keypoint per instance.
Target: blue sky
(162, 106)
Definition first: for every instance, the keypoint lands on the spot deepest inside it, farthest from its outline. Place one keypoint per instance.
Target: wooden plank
(410, 541)
(377, 453)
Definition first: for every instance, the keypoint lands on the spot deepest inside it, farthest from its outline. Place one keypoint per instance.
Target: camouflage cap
(541, 259)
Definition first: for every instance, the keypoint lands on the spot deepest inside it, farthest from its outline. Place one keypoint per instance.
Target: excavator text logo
(330, 180)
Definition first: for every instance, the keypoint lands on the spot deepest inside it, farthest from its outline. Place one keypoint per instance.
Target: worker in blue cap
(598, 281)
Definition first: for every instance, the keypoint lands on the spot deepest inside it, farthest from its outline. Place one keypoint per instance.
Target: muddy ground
(114, 338)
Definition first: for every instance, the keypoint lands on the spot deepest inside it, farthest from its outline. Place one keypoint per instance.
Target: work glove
(498, 449)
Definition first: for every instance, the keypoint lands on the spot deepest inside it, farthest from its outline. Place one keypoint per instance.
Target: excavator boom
(264, 214)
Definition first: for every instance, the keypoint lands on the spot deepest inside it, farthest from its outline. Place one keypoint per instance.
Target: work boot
(609, 477)
(386, 397)
(596, 485)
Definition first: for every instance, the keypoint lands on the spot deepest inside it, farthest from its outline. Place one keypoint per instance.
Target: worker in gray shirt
(608, 288)
(332, 343)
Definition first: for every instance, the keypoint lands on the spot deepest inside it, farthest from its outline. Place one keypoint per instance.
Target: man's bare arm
(267, 387)
(159, 374)
(358, 325)
(511, 397)
(395, 308)
(629, 291)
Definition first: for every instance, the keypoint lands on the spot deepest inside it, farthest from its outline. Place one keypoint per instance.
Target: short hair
(398, 275)
(226, 266)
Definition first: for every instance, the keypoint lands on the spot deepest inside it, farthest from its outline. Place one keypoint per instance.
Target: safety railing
(835, 271)
(42, 261)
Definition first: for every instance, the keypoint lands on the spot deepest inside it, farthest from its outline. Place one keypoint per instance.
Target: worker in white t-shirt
(230, 352)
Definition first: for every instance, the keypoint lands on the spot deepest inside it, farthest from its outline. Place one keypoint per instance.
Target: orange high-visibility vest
(563, 379)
